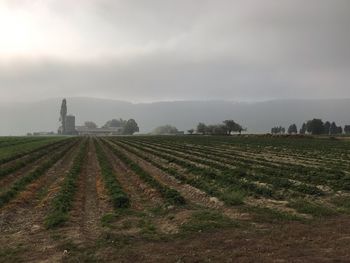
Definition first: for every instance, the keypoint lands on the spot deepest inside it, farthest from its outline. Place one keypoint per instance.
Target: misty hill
(258, 117)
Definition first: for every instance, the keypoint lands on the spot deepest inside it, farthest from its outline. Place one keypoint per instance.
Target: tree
(339, 130)
(303, 129)
(293, 129)
(63, 114)
(278, 130)
(315, 126)
(166, 129)
(333, 129)
(220, 129)
(347, 129)
(190, 131)
(327, 127)
(90, 124)
(232, 126)
(130, 127)
(201, 128)
(115, 123)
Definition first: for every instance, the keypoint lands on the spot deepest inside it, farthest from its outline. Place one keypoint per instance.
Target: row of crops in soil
(302, 174)
(285, 177)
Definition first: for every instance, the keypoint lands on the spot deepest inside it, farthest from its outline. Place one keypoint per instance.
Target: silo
(70, 124)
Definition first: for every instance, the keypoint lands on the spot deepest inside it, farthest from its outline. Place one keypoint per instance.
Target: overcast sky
(151, 50)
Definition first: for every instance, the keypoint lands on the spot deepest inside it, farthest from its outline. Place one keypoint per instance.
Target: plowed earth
(152, 229)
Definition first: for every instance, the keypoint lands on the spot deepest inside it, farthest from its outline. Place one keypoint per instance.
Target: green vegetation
(21, 183)
(205, 220)
(232, 168)
(62, 203)
(170, 195)
(118, 197)
(16, 151)
(313, 209)
(43, 151)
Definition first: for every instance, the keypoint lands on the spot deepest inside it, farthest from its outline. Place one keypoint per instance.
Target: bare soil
(322, 241)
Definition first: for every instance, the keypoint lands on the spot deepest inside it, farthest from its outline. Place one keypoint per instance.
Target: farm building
(83, 130)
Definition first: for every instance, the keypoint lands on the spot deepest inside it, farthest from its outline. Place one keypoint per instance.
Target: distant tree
(333, 129)
(347, 129)
(278, 130)
(115, 123)
(315, 126)
(190, 131)
(232, 126)
(90, 124)
(63, 114)
(293, 129)
(303, 129)
(201, 128)
(130, 127)
(216, 129)
(339, 130)
(165, 129)
(220, 129)
(209, 129)
(327, 127)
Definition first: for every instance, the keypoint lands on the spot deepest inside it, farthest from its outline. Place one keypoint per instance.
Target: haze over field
(257, 117)
(186, 50)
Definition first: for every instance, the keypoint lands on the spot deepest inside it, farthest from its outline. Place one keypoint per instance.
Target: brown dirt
(323, 241)
(22, 219)
(21, 222)
(8, 180)
(141, 195)
(84, 225)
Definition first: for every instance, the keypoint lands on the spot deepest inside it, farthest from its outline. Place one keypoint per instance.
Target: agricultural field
(174, 199)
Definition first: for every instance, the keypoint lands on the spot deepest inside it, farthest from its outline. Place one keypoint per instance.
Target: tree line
(128, 127)
(227, 127)
(314, 127)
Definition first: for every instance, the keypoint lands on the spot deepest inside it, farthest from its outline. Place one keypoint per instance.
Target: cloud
(164, 50)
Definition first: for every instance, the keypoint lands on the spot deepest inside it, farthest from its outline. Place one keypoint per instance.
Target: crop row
(231, 197)
(62, 203)
(21, 184)
(314, 175)
(19, 151)
(116, 194)
(278, 176)
(324, 150)
(234, 176)
(231, 179)
(17, 141)
(169, 194)
(239, 158)
(31, 158)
